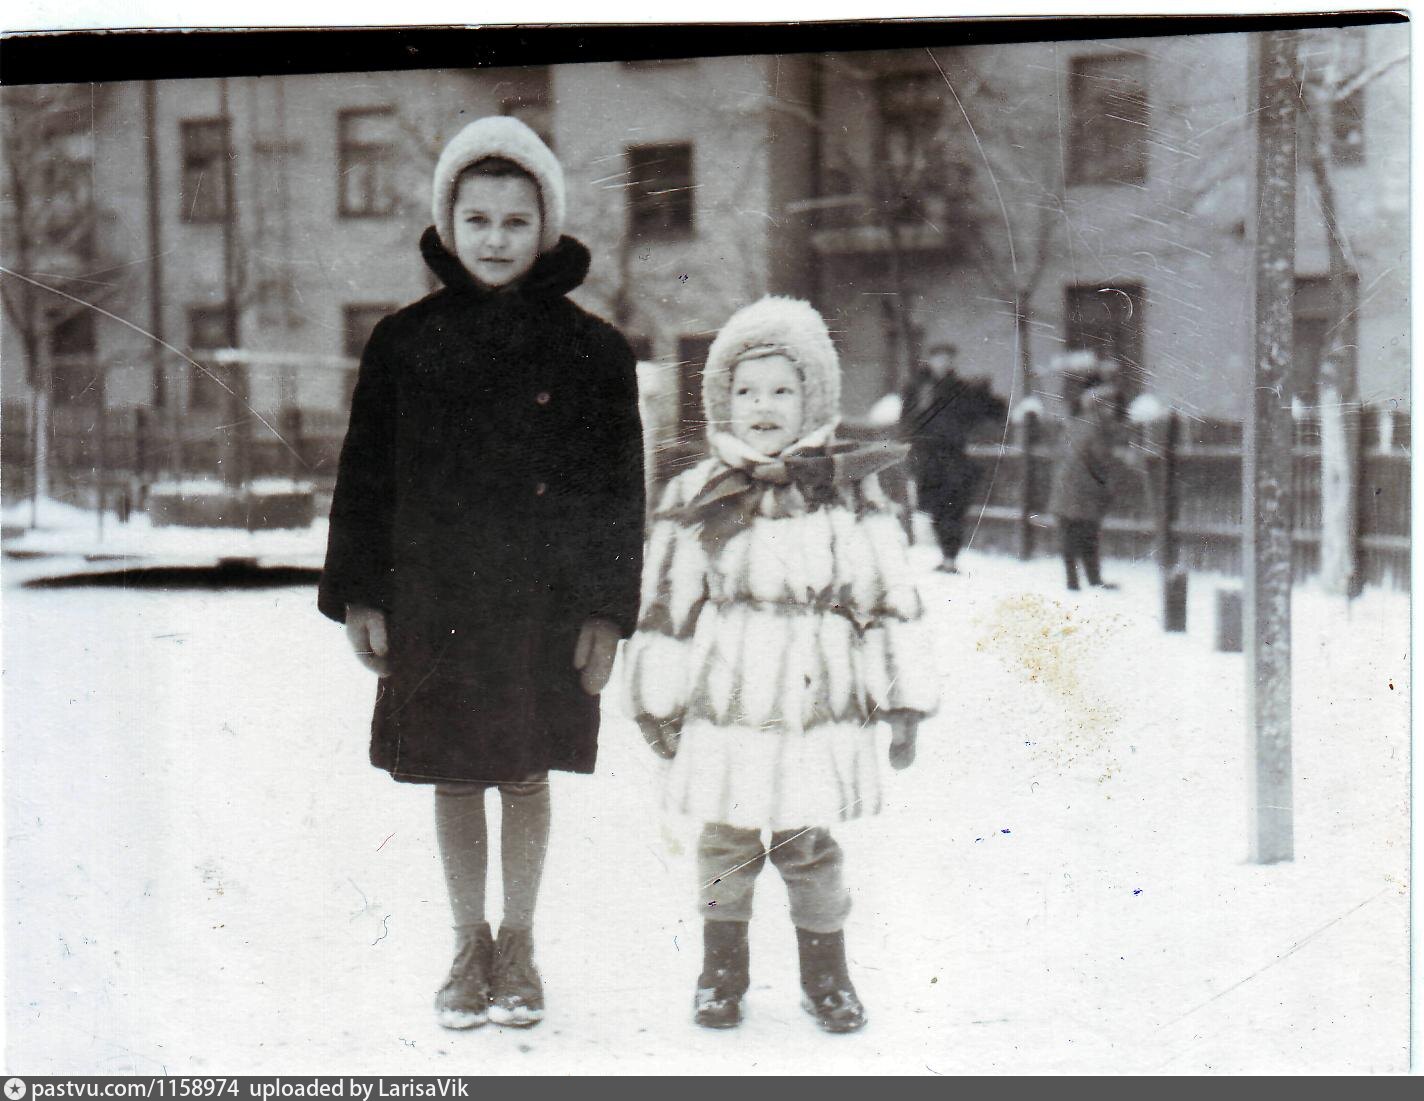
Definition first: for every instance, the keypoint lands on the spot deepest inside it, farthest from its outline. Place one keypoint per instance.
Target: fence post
(1174, 579)
(1168, 519)
(292, 433)
(1028, 434)
(141, 443)
(102, 476)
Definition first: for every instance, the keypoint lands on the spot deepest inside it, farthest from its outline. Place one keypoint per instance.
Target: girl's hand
(597, 644)
(904, 729)
(366, 631)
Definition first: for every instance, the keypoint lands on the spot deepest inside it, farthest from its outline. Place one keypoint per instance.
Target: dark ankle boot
(724, 977)
(463, 1002)
(825, 980)
(516, 992)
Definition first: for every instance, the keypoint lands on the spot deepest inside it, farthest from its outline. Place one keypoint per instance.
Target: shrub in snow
(1074, 363)
(1032, 404)
(188, 487)
(1147, 409)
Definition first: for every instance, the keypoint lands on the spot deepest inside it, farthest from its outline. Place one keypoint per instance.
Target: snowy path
(203, 875)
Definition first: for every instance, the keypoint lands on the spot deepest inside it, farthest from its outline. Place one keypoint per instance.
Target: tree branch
(1347, 88)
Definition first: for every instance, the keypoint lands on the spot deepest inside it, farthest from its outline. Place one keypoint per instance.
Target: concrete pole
(1267, 454)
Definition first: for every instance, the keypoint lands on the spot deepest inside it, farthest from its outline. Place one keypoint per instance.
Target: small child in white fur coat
(780, 621)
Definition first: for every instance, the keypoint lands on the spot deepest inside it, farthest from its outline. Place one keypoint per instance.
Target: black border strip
(62, 57)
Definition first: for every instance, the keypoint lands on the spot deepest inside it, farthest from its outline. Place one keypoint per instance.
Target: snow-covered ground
(77, 542)
(204, 875)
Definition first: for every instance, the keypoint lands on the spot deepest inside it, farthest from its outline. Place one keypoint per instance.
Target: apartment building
(1017, 200)
(1096, 195)
(280, 216)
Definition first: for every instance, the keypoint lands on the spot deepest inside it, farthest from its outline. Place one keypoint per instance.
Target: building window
(208, 330)
(1107, 321)
(1107, 113)
(367, 161)
(660, 190)
(357, 322)
(276, 297)
(204, 190)
(1347, 128)
(911, 112)
(914, 148)
(72, 335)
(1332, 62)
(73, 368)
(691, 359)
(534, 112)
(68, 188)
(1316, 308)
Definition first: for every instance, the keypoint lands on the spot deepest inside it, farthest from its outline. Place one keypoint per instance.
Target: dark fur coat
(489, 500)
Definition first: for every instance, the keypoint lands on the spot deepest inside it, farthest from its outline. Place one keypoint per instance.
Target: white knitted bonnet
(507, 137)
(775, 325)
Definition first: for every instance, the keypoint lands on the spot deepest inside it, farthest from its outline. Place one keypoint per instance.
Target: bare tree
(50, 227)
(938, 168)
(1329, 117)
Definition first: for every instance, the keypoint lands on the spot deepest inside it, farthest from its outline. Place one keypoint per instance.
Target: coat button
(540, 489)
(542, 397)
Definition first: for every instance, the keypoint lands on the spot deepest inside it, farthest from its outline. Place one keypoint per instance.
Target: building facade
(279, 217)
(1016, 200)
(1048, 197)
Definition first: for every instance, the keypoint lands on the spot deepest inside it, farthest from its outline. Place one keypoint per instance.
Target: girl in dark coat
(486, 537)
(1081, 484)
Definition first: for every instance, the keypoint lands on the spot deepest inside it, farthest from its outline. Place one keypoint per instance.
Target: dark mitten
(661, 735)
(904, 731)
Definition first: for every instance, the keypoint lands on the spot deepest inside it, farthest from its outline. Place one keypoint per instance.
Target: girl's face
(768, 403)
(497, 227)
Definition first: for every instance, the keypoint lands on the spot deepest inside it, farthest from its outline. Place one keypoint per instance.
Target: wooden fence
(112, 457)
(1203, 483)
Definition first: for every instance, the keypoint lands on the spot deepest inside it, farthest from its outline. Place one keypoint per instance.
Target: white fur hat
(775, 325)
(499, 136)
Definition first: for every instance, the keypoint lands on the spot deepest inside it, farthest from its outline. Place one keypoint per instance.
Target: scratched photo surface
(1139, 306)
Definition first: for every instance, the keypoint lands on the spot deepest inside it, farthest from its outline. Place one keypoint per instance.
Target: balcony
(850, 222)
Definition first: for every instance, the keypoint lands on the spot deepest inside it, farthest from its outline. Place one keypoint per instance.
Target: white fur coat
(775, 648)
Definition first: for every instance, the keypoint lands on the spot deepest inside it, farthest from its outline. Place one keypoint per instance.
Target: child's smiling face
(768, 403)
(497, 226)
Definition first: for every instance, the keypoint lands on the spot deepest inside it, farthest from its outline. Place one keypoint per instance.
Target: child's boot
(463, 1002)
(724, 978)
(825, 980)
(516, 994)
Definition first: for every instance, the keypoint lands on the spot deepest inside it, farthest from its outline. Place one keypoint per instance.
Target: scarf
(811, 471)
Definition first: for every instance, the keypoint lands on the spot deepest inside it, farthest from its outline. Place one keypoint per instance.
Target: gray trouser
(729, 859)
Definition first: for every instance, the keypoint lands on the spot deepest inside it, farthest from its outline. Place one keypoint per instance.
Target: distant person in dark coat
(1082, 482)
(486, 538)
(939, 410)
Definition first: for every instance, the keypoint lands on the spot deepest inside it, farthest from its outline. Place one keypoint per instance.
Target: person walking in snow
(780, 620)
(486, 538)
(939, 409)
(1081, 492)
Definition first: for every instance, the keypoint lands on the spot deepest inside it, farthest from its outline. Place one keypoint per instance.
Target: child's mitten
(366, 631)
(904, 729)
(661, 735)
